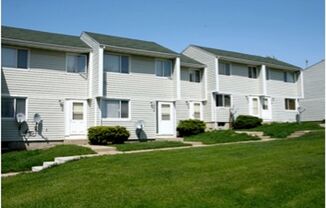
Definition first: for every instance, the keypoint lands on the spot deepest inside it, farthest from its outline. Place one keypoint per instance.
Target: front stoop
(259, 134)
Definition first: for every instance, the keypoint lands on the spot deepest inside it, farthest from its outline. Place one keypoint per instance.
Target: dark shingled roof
(129, 43)
(188, 60)
(267, 60)
(42, 37)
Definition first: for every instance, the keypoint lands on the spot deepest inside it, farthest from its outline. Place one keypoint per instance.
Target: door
(254, 106)
(266, 108)
(195, 110)
(76, 117)
(166, 118)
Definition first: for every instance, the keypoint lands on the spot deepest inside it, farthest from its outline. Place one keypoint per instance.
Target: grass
(282, 173)
(148, 145)
(220, 136)
(24, 160)
(282, 130)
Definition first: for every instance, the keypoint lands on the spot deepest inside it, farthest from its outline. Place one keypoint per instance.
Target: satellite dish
(37, 118)
(140, 124)
(20, 117)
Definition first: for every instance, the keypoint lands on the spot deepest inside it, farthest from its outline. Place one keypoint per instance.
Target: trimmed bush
(103, 134)
(247, 122)
(191, 127)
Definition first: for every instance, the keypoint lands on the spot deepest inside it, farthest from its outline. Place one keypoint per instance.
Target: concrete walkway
(109, 150)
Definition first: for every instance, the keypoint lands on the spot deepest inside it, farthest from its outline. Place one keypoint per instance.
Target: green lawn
(282, 173)
(282, 130)
(220, 136)
(148, 145)
(24, 160)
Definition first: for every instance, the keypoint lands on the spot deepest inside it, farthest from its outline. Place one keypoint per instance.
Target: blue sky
(290, 30)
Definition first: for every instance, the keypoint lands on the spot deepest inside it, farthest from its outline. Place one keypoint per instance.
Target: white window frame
(15, 97)
(192, 109)
(194, 70)
(223, 100)
(163, 77)
(250, 67)
(295, 102)
(76, 54)
(286, 74)
(117, 119)
(15, 68)
(230, 64)
(120, 61)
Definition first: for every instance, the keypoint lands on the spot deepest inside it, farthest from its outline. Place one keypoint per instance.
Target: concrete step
(37, 168)
(49, 164)
(61, 160)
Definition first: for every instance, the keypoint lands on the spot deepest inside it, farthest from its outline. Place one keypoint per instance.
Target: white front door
(76, 117)
(195, 110)
(266, 108)
(165, 118)
(254, 108)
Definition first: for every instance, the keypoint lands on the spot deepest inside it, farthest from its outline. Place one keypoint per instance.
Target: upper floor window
(267, 74)
(252, 72)
(194, 75)
(10, 106)
(223, 100)
(163, 68)
(115, 108)
(14, 58)
(116, 63)
(289, 77)
(224, 69)
(290, 104)
(76, 63)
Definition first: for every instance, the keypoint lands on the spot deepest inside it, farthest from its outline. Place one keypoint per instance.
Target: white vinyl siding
(163, 68)
(14, 58)
(116, 63)
(10, 106)
(115, 109)
(76, 63)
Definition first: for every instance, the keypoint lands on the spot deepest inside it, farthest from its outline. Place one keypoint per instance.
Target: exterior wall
(210, 62)
(279, 113)
(314, 93)
(45, 84)
(192, 90)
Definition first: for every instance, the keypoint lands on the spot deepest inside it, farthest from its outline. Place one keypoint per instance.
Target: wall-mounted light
(153, 105)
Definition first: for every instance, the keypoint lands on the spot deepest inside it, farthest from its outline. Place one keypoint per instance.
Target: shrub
(247, 122)
(104, 134)
(190, 127)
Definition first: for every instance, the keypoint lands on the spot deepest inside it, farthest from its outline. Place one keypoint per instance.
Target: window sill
(160, 77)
(118, 73)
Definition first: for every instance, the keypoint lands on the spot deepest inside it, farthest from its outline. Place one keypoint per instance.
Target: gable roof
(129, 43)
(39, 37)
(189, 62)
(255, 58)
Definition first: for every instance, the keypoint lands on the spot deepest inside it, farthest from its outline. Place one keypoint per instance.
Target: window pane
(265, 104)
(221, 68)
(249, 72)
(22, 59)
(227, 69)
(167, 68)
(227, 100)
(125, 64)
(255, 106)
(71, 64)
(290, 77)
(77, 111)
(197, 77)
(219, 100)
(290, 104)
(7, 107)
(165, 111)
(81, 65)
(113, 108)
(111, 63)
(267, 74)
(159, 68)
(124, 109)
(285, 76)
(254, 72)
(21, 105)
(191, 76)
(9, 57)
(196, 110)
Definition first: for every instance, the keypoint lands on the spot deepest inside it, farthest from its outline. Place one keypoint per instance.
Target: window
(15, 58)
(197, 111)
(163, 68)
(76, 63)
(223, 100)
(267, 74)
(77, 111)
(165, 112)
(116, 63)
(11, 106)
(290, 104)
(252, 72)
(224, 69)
(265, 103)
(221, 124)
(194, 75)
(115, 109)
(289, 77)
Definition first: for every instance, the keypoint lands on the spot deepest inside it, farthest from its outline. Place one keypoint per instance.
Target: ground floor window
(290, 104)
(112, 108)
(223, 100)
(195, 110)
(10, 106)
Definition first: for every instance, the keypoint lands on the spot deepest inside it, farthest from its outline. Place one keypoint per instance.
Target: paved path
(109, 150)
